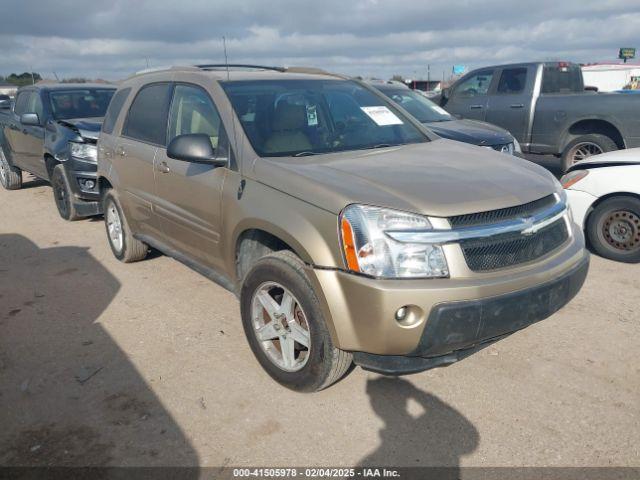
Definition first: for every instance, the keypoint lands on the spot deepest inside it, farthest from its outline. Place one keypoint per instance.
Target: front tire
(10, 176)
(63, 195)
(586, 146)
(124, 245)
(285, 328)
(613, 229)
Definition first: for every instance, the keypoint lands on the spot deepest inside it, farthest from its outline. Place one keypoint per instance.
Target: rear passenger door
(470, 95)
(143, 132)
(190, 194)
(509, 106)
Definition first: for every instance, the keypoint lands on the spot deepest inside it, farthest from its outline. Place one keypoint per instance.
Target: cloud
(363, 37)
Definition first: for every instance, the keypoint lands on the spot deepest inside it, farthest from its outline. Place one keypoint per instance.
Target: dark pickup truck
(547, 109)
(51, 132)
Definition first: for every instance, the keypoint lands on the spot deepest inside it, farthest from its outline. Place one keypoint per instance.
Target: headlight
(369, 250)
(516, 146)
(84, 151)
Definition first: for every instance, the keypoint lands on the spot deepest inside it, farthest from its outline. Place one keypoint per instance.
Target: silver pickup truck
(547, 109)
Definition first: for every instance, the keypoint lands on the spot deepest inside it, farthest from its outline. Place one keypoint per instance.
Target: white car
(604, 196)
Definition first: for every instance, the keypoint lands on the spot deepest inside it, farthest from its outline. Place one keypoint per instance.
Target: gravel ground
(103, 363)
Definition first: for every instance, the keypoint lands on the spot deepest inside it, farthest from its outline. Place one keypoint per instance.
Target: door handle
(121, 151)
(475, 107)
(516, 105)
(162, 167)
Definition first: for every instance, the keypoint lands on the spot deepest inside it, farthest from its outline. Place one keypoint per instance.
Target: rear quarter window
(147, 118)
(115, 106)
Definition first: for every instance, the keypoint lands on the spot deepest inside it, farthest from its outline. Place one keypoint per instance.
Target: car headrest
(289, 117)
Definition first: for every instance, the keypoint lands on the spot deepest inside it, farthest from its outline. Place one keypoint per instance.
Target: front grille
(510, 249)
(495, 216)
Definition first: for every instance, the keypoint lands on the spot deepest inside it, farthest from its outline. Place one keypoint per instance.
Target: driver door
(27, 141)
(469, 97)
(189, 195)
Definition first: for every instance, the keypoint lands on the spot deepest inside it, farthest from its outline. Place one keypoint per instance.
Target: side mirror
(5, 104)
(30, 119)
(194, 148)
(444, 96)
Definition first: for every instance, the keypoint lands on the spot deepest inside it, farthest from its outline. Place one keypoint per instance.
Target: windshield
(305, 117)
(80, 103)
(417, 105)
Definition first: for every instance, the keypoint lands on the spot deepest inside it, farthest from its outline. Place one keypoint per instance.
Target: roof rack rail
(239, 65)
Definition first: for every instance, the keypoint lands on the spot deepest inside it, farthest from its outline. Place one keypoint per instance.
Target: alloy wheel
(3, 168)
(281, 326)
(114, 227)
(584, 150)
(61, 196)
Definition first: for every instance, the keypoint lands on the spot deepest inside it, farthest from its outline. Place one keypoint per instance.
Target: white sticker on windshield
(312, 115)
(382, 116)
(440, 110)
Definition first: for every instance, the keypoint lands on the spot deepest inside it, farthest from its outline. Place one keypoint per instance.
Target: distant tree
(398, 78)
(23, 79)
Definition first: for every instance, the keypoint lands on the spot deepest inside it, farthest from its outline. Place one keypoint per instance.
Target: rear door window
(147, 118)
(512, 81)
(114, 109)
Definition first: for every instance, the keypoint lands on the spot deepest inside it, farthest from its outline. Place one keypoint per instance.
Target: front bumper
(83, 180)
(360, 311)
(580, 204)
(456, 330)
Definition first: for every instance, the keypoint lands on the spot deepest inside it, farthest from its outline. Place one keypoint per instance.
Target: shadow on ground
(68, 395)
(419, 428)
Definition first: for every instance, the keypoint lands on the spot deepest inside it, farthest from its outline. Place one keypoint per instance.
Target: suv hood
(85, 127)
(471, 131)
(439, 178)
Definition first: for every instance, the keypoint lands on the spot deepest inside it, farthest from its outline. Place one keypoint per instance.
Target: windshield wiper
(305, 154)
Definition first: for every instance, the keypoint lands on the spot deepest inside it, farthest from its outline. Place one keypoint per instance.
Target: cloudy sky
(113, 38)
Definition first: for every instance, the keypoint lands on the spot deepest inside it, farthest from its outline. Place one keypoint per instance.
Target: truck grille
(495, 216)
(510, 249)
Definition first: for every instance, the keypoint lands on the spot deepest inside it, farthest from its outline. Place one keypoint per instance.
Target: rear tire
(10, 176)
(124, 245)
(312, 367)
(585, 146)
(613, 229)
(63, 195)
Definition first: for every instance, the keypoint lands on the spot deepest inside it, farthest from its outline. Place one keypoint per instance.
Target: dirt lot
(146, 364)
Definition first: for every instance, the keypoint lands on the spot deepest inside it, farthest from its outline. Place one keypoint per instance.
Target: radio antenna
(226, 59)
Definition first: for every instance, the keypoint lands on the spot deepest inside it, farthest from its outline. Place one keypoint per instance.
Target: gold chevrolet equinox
(349, 231)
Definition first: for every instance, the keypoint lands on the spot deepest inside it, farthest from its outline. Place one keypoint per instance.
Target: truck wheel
(10, 177)
(124, 245)
(585, 146)
(63, 195)
(285, 327)
(613, 229)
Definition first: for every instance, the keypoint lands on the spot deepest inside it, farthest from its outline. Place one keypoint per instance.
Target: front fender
(310, 231)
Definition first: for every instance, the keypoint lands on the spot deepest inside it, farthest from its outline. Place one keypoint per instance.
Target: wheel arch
(588, 126)
(255, 241)
(603, 199)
